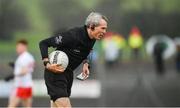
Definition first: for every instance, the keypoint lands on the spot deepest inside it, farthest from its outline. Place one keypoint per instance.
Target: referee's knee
(63, 102)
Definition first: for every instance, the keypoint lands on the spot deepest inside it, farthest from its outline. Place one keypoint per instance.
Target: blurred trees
(151, 16)
(160, 6)
(11, 18)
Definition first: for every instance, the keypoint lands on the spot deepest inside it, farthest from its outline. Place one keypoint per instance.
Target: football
(59, 57)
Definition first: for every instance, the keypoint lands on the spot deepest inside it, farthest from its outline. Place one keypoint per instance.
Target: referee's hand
(55, 68)
(85, 71)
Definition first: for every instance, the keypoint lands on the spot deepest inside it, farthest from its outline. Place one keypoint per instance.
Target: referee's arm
(44, 44)
(88, 60)
(61, 40)
(56, 41)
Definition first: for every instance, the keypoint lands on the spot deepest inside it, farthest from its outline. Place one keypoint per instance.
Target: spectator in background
(159, 48)
(112, 48)
(24, 66)
(135, 41)
(178, 58)
(111, 52)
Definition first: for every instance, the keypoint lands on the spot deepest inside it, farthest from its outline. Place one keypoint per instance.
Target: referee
(77, 44)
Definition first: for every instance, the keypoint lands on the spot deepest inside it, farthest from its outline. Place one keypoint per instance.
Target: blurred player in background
(159, 49)
(77, 44)
(23, 68)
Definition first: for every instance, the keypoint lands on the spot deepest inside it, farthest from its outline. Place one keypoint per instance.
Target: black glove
(11, 64)
(9, 77)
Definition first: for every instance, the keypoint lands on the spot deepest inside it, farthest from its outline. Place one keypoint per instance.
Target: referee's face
(100, 30)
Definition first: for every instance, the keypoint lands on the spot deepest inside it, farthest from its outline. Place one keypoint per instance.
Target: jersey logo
(76, 50)
(58, 39)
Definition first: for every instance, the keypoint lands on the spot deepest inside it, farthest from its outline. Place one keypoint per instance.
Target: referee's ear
(92, 27)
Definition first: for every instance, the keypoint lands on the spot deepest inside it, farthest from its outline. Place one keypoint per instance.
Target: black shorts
(58, 84)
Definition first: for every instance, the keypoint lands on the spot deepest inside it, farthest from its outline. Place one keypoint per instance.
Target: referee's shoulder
(70, 31)
(77, 28)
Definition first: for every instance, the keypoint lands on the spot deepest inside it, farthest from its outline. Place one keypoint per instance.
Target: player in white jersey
(24, 66)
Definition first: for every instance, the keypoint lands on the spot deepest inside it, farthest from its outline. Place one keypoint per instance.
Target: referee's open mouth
(101, 35)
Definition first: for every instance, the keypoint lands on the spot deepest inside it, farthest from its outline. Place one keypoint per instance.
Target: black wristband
(46, 62)
(86, 61)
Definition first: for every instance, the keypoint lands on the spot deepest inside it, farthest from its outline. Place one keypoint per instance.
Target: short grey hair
(94, 19)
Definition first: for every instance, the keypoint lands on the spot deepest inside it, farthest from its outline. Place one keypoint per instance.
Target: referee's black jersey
(74, 42)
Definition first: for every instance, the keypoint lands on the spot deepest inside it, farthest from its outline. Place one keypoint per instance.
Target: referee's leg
(53, 105)
(59, 88)
(63, 102)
